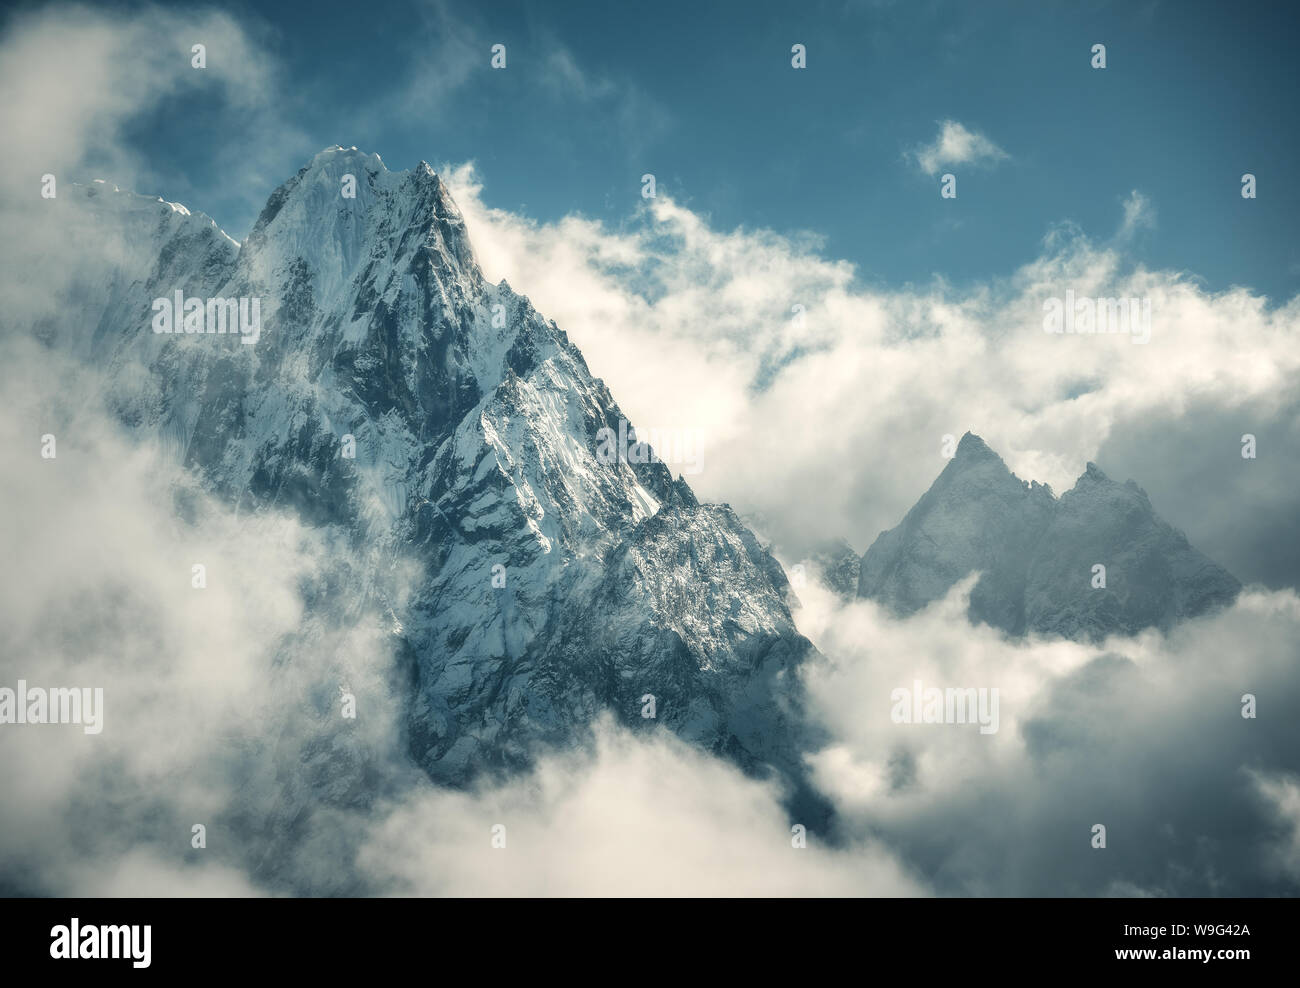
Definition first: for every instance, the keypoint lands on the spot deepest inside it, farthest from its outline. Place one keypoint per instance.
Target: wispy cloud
(456, 49)
(639, 119)
(564, 76)
(1139, 214)
(75, 80)
(956, 145)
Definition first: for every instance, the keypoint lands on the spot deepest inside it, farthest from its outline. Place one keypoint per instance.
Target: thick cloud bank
(1144, 736)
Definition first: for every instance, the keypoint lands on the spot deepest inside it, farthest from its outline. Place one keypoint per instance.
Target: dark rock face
(1036, 554)
(839, 567)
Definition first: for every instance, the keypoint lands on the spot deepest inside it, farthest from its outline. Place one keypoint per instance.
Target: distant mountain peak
(1037, 553)
(972, 447)
(1094, 473)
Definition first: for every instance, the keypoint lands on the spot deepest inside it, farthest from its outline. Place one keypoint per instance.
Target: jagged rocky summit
(1036, 554)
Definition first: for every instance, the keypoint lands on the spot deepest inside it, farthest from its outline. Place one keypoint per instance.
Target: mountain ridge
(1036, 553)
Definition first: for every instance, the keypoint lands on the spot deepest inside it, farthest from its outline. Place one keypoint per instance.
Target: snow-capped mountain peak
(552, 585)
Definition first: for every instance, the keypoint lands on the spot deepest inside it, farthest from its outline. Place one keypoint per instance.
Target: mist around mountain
(397, 500)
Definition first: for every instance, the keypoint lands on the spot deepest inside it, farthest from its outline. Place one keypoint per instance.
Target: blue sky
(703, 95)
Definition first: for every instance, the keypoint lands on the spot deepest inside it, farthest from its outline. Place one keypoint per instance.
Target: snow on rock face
(1036, 554)
(552, 586)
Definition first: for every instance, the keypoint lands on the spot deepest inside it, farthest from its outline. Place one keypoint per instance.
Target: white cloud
(1282, 792)
(1139, 215)
(1135, 734)
(73, 81)
(632, 817)
(73, 78)
(218, 703)
(956, 145)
